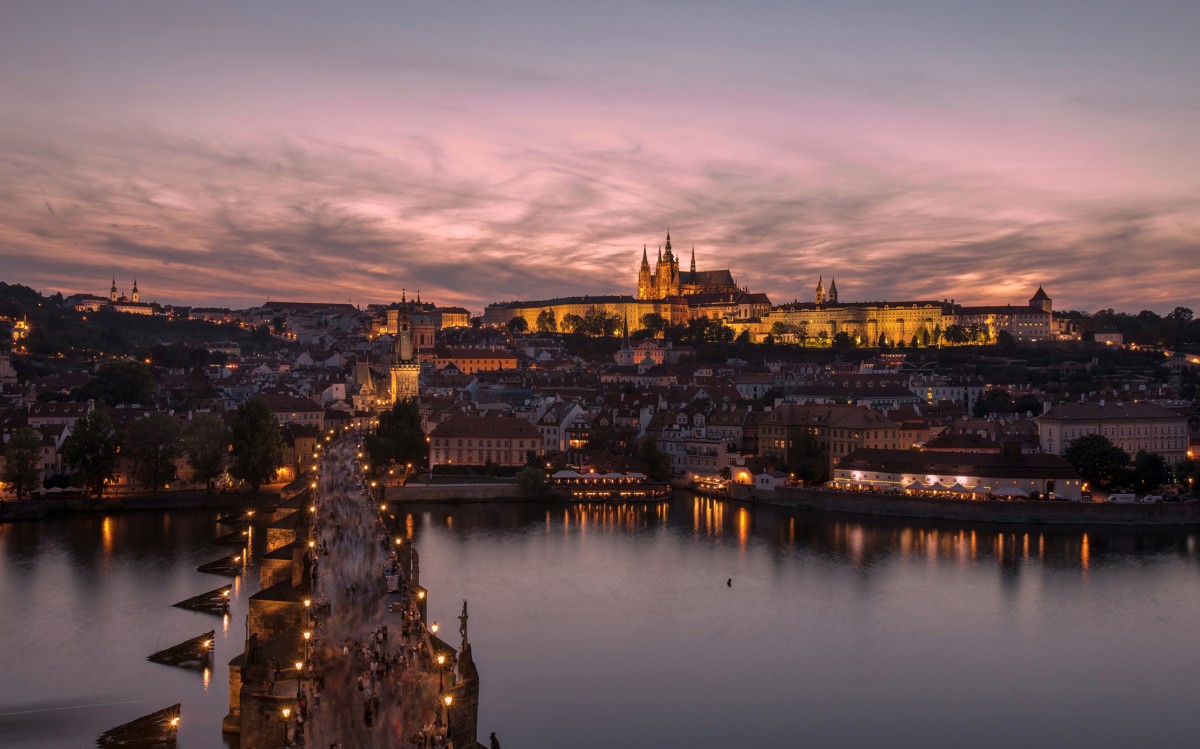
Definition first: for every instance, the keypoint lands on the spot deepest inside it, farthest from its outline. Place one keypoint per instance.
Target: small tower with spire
(831, 297)
(693, 262)
(820, 295)
(112, 293)
(133, 293)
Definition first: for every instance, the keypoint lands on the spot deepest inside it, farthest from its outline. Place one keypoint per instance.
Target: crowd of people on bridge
(373, 683)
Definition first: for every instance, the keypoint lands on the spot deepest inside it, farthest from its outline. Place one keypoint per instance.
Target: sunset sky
(227, 151)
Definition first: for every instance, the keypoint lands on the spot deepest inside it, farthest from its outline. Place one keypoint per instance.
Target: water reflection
(862, 544)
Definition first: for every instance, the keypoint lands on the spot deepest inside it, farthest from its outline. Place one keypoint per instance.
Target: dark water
(609, 626)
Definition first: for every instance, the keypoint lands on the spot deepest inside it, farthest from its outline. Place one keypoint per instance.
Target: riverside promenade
(373, 676)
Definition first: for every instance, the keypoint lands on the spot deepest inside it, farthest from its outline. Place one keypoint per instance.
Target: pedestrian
(495, 743)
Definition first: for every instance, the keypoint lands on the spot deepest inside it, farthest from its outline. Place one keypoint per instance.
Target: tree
(802, 333)
(153, 443)
(654, 323)
(399, 437)
(1150, 471)
(531, 482)
(206, 442)
(843, 341)
(658, 463)
(119, 383)
(257, 444)
(1097, 459)
(518, 325)
(23, 461)
(571, 323)
(546, 322)
(92, 451)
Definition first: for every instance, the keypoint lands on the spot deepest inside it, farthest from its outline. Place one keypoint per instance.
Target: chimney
(1010, 451)
(1046, 406)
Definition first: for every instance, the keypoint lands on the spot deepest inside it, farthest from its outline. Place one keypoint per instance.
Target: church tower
(1041, 300)
(112, 293)
(831, 297)
(134, 295)
(405, 371)
(645, 289)
(666, 276)
(820, 295)
(693, 262)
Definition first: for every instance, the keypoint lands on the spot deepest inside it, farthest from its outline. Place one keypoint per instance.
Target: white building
(1128, 425)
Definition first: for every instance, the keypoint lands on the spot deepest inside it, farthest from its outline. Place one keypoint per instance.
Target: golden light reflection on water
(743, 527)
(408, 526)
(207, 678)
(1085, 553)
(225, 623)
(106, 536)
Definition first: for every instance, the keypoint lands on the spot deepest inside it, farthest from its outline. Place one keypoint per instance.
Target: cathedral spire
(660, 253)
(645, 260)
(832, 295)
(693, 259)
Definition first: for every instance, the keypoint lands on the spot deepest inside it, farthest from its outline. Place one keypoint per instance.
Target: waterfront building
(1130, 426)
(968, 475)
(824, 433)
(478, 440)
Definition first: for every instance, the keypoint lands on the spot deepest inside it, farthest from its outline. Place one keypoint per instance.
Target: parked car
(1152, 498)
(1122, 499)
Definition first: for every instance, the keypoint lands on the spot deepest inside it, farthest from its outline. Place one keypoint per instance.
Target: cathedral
(666, 280)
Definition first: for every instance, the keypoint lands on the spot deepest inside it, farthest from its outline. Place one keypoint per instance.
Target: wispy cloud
(547, 192)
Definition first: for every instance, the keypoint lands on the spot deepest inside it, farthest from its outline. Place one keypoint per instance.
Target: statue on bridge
(462, 625)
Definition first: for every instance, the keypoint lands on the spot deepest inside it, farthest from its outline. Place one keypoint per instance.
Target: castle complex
(665, 290)
(668, 281)
(681, 295)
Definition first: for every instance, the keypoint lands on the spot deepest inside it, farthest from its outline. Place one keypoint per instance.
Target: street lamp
(446, 701)
(441, 659)
(287, 713)
(433, 627)
(307, 635)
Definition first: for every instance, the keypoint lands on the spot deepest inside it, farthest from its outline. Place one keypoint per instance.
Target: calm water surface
(609, 626)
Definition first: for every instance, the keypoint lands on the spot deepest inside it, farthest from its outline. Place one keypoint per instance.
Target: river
(602, 626)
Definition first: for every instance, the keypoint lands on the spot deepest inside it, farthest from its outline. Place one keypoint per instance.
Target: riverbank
(1018, 512)
(33, 509)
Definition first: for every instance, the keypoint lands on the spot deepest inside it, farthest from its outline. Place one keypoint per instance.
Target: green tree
(802, 333)
(117, 383)
(23, 461)
(571, 323)
(546, 322)
(92, 451)
(1150, 471)
(843, 341)
(518, 325)
(655, 323)
(153, 443)
(658, 463)
(257, 444)
(531, 482)
(399, 437)
(206, 442)
(1097, 459)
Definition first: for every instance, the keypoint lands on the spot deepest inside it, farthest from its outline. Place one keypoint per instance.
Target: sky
(227, 152)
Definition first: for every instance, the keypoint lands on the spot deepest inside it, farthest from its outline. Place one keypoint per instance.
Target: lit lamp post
(446, 702)
(307, 636)
(308, 607)
(299, 674)
(286, 713)
(441, 659)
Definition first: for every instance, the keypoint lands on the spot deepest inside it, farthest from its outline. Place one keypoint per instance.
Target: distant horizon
(410, 295)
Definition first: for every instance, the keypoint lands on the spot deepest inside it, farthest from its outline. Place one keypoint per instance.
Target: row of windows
(446, 442)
